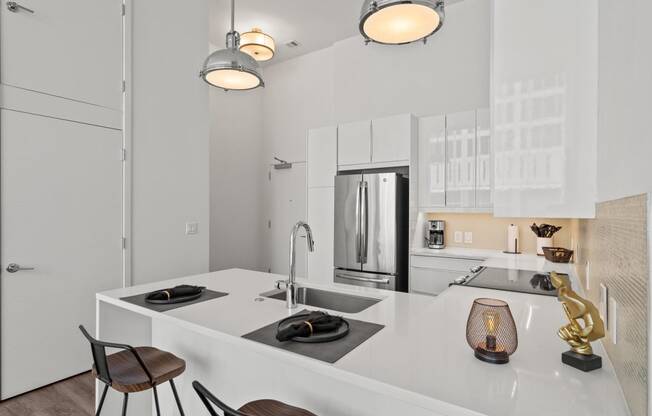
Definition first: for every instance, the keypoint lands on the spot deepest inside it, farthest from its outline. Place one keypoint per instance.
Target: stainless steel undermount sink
(340, 302)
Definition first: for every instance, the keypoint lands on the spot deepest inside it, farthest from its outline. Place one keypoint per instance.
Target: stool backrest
(209, 400)
(98, 348)
(99, 356)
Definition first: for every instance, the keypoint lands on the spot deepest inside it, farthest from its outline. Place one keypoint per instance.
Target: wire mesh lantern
(491, 331)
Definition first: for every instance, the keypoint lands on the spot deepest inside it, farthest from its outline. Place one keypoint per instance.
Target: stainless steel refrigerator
(371, 230)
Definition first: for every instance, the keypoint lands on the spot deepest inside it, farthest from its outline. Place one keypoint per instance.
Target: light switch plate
(613, 320)
(192, 228)
(468, 237)
(458, 236)
(603, 305)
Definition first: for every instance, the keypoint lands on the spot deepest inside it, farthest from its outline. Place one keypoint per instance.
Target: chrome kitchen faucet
(290, 284)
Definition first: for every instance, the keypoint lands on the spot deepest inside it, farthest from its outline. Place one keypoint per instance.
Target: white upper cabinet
(70, 49)
(544, 108)
(484, 167)
(391, 138)
(322, 156)
(354, 143)
(432, 161)
(460, 160)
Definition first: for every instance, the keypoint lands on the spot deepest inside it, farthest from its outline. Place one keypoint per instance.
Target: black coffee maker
(435, 230)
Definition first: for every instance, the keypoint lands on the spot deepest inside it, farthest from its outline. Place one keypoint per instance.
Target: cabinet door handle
(14, 7)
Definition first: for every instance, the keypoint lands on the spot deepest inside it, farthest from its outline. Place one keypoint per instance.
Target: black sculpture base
(582, 362)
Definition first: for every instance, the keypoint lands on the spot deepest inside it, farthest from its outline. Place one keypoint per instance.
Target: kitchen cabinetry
(455, 162)
(431, 275)
(354, 143)
(321, 203)
(544, 108)
(322, 156)
(391, 138)
(381, 142)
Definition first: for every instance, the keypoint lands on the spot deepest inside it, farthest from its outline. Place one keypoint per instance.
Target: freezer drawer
(376, 281)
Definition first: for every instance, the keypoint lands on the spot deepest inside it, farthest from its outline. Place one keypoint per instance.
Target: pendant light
(258, 45)
(229, 68)
(397, 22)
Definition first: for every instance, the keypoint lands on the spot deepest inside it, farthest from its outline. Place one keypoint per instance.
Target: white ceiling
(315, 24)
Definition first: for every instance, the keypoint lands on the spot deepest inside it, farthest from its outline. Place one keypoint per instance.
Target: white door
(288, 205)
(354, 143)
(61, 213)
(391, 138)
(321, 217)
(71, 49)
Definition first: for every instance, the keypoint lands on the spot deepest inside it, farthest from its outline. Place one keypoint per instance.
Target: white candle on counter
(512, 238)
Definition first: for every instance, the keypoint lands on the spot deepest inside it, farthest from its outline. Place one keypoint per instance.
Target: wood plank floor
(71, 397)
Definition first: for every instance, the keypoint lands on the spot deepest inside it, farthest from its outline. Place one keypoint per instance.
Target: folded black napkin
(175, 292)
(312, 323)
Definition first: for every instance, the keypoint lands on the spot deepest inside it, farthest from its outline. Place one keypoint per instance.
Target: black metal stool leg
(176, 397)
(124, 405)
(158, 409)
(99, 407)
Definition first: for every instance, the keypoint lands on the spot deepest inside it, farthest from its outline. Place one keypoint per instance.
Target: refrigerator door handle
(357, 223)
(364, 226)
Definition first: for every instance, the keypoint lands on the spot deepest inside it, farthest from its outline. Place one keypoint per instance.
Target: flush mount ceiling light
(229, 68)
(397, 22)
(258, 45)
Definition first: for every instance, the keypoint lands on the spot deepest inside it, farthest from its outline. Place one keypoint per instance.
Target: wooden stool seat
(128, 376)
(272, 408)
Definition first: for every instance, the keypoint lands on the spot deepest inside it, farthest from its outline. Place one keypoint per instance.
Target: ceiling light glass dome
(258, 45)
(231, 69)
(397, 22)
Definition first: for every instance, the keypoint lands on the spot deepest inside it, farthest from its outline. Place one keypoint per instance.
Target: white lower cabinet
(432, 275)
(321, 218)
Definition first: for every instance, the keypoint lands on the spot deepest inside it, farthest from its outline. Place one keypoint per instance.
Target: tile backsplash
(615, 247)
(490, 232)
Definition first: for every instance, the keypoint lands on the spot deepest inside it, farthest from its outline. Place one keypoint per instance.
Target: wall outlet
(613, 320)
(603, 305)
(458, 236)
(468, 237)
(192, 228)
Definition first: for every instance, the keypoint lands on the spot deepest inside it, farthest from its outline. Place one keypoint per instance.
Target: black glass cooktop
(525, 281)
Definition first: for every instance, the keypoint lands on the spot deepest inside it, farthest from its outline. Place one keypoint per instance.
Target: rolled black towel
(175, 292)
(314, 323)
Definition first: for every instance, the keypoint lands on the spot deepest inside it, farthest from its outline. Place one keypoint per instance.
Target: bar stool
(134, 370)
(255, 408)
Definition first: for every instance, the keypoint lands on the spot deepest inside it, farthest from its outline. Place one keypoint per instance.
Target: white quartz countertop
(421, 356)
(498, 259)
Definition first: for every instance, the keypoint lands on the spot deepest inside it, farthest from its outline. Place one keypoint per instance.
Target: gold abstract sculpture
(578, 335)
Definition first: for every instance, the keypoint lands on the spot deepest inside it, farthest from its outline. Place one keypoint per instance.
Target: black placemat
(328, 351)
(140, 301)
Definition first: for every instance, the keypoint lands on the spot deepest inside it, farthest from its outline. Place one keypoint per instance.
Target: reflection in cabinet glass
(432, 161)
(484, 168)
(460, 160)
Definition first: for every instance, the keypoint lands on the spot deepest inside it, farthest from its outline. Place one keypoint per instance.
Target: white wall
(237, 175)
(350, 81)
(625, 106)
(170, 139)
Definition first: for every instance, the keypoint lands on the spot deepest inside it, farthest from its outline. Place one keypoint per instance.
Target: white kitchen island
(419, 364)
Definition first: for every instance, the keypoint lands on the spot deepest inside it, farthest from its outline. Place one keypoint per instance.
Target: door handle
(364, 219)
(362, 279)
(14, 7)
(358, 258)
(13, 268)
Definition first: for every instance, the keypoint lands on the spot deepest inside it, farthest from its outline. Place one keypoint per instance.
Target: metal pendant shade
(397, 22)
(231, 69)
